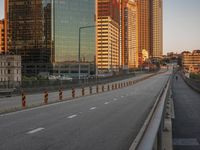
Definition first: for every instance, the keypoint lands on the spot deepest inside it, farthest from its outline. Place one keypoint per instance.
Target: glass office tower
(69, 15)
(45, 33)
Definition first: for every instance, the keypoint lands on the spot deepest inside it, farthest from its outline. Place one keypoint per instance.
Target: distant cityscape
(45, 34)
(78, 39)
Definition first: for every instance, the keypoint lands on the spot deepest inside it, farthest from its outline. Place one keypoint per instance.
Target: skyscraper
(45, 33)
(2, 36)
(150, 30)
(6, 25)
(143, 27)
(107, 35)
(156, 31)
(129, 34)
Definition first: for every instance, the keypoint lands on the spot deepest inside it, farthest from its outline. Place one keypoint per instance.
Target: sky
(181, 22)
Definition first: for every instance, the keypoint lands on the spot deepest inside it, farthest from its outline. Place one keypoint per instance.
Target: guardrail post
(46, 95)
(60, 94)
(23, 100)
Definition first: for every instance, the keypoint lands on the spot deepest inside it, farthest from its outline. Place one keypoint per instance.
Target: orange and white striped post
(46, 97)
(61, 94)
(113, 87)
(97, 89)
(102, 88)
(73, 93)
(108, 87)
(83, 91)
(23, 100)
(90, 90)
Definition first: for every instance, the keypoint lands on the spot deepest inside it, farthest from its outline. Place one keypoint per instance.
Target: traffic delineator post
(73, 93)
(46, 95)
(108, 87)
(102, 88)
(97, 89)
(61, 94)
(23, 100)
(83, 91)
(90, 90)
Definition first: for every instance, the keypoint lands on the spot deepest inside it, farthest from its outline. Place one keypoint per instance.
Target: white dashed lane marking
(106, 103)
(92, 108)
(35, 130)
(72, 116)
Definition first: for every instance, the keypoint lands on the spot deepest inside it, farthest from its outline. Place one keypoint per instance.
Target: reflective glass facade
(29, 33)
(68, 16)
(46, 32)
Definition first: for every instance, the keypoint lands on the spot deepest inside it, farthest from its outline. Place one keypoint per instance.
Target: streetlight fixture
(79, 49)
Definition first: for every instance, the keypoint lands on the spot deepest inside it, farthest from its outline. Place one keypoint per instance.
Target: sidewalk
(186, 125)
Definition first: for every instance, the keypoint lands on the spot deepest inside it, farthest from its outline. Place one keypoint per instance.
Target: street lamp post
(79, 49)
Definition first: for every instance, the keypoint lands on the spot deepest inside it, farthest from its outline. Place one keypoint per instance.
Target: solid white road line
(92, 108)
(35, 130)
(72, 116)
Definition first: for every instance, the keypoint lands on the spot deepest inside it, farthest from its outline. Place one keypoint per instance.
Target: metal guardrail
(146, 137)
(195, 85)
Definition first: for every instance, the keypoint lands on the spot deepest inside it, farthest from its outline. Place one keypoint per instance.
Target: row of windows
(8, 64)
(5, 72)
(6, 79)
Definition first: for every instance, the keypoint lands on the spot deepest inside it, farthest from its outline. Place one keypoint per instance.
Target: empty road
(105, 121)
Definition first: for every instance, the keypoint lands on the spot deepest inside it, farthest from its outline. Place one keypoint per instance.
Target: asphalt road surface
(186, 126)
(12, 103)
(105, 121)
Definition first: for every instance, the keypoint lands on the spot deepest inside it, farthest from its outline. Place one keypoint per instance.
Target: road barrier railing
(152, 129)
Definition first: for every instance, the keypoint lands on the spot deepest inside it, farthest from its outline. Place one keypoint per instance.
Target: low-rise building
(191, 61)
(10, 70)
